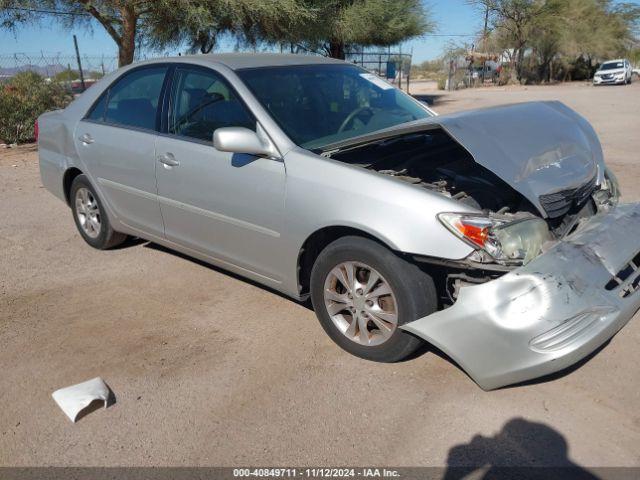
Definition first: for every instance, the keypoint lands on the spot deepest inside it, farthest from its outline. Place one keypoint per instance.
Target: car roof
(238, 61)
(615, 61)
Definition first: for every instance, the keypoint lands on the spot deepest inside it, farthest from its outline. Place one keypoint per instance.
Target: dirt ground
(209, 369)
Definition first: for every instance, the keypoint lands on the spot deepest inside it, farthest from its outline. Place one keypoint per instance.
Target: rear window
(132, 100)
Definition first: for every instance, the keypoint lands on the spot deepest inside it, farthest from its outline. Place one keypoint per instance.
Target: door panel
(229, 206)
(121, 164)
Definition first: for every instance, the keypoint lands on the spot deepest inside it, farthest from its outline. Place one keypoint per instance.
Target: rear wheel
(362, 293)
(89, 216)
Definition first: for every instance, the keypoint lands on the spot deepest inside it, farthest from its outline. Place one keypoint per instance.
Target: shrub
(22, 100)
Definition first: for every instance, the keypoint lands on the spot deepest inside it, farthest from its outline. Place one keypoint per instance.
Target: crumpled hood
(537, 148)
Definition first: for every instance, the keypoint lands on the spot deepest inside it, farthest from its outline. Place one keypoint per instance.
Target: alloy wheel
(361, 303)
(88, 212)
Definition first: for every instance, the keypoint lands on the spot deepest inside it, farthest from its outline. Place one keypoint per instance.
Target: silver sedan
(495, 234)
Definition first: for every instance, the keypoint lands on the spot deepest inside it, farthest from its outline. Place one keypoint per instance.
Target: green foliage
(25, 97)
(311, 24)
(199, 23)
(332, 25)
(66, 76)
(15, 12)
(559, 39)
(343, 24)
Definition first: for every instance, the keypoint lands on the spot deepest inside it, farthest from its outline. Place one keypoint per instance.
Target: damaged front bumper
(549, 314)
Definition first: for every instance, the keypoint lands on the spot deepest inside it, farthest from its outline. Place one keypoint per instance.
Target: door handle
(168, 160)
(86, 139)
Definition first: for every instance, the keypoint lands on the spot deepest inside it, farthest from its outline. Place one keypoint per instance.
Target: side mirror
(242, 140)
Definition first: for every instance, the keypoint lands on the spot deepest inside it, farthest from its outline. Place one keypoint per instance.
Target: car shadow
(160, 248)
(129, 242)
(433, 99)
(429, 348)
(422, 350)
(429, 99)
(522, 449)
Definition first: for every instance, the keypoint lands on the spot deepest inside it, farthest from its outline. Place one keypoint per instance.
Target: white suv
(616, 72)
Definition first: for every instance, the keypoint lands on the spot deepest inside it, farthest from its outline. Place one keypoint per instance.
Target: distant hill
(45, 70)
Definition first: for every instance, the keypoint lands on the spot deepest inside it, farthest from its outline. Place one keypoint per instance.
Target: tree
(15, 12)
(536, 34)
(515, 23)
(199, 23)
(341, 24)
(603, 30)
(123, 20)
(323, 26)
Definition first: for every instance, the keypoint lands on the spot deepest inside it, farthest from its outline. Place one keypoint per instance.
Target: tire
(89, 217)
(413, 295)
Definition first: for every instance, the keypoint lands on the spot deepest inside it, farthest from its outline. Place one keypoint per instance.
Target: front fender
(322, 193)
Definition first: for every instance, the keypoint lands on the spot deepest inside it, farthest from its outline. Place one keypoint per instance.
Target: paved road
(211, 370)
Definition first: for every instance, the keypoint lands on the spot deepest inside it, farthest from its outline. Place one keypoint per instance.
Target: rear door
(116, 142)
(227, 206)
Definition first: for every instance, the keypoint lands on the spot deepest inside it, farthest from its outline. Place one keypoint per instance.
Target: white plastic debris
(72, 400)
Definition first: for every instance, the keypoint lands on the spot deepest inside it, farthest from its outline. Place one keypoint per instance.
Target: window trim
(107, 91)
(168, 98)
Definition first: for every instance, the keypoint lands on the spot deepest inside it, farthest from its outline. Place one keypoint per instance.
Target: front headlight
(507, 241)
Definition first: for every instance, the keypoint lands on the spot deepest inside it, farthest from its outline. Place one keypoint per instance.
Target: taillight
(36, 130)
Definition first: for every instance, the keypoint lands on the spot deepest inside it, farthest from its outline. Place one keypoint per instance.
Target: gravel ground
(209, 369)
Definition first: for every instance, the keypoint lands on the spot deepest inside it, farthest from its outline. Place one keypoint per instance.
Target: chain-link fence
(395, 67)
(63, 68)
(51, 65)
(59, 68)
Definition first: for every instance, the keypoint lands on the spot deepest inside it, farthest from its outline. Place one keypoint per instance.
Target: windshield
(611, 65)
(317, 105)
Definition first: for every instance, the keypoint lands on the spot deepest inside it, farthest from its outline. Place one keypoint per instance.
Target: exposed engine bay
(510, 231)
(434, 161)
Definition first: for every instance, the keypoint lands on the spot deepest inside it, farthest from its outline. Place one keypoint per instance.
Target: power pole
(75, 42)
(484, 39)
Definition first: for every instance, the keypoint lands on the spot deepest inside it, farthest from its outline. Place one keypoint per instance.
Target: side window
(99, 108)
(133, 100)
(202, 102)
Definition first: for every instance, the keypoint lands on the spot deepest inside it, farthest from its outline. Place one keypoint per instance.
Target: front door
(227, 206)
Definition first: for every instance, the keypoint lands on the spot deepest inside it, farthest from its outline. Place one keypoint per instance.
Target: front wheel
(362, 293)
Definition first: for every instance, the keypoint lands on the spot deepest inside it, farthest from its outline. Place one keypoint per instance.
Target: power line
(84, 14)
(449, 35)
(49, 12)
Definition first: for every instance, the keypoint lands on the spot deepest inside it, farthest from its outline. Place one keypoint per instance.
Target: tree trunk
(519, 63)
(127, 45)
(336, 49)
(206, 41)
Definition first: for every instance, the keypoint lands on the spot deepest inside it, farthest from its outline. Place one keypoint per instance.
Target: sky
(49, 38)
(456, 20)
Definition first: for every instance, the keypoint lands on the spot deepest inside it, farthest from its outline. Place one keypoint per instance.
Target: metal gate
(395, 67)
